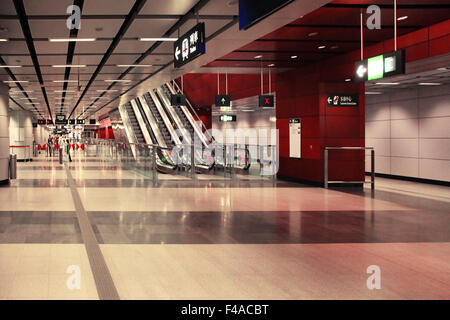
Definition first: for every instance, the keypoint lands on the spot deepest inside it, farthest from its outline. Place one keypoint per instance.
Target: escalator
(134, 124)
(159, 120)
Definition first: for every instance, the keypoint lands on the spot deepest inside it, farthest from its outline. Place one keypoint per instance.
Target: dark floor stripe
(105, 285)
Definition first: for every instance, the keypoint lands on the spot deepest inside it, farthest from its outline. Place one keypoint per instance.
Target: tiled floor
(218, 237)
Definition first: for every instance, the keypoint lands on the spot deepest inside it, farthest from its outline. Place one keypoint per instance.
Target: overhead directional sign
(42, 122)
(49, 122)
(223, 100)
(189, 46)
(382, 66)
(266, 100)
(228, 118)
(61, 119)
(80, 121)
(72, 121)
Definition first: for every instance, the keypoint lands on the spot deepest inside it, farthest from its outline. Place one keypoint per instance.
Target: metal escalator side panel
(165, 118)
(154, 126)
(128, 127)
(141, 123)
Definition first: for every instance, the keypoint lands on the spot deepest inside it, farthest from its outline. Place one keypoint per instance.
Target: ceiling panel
(168, 6)
(99, 28)
(220, 7)
(107, 6)
(149, 28)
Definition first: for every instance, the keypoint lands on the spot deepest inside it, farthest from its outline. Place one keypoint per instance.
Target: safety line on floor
(105, 285)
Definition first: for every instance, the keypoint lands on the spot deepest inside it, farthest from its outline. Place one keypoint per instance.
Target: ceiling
(335, 26)
(117, 26)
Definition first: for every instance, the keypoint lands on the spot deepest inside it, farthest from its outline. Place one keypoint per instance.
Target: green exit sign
(381, 66)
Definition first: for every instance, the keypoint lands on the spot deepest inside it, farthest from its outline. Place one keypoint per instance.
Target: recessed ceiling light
(258, 57)
(388, 83)
(348, 80)
(442, 69)
(15, 81)
(3, 40)
(429, 84)
(334, 47)
(271, 65)
(117, 80)
(373, 92)
(294, 57)
(321, 47)
(312, 34)
(107, 90)
(133, 65)
(158, 39)
(8, 66)
(60, 81)
(69, 66)
(402, 18)
(72, 40)
(61, 91)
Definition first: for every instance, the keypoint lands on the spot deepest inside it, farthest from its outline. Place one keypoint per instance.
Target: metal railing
(372, 159)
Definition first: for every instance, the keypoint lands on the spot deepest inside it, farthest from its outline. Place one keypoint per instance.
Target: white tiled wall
(410, 130)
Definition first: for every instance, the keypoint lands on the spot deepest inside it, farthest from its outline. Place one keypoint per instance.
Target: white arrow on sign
(361, 71)
(330, 100)
(177, 52)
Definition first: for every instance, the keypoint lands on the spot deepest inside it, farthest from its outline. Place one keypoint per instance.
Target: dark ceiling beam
(119, 17)
(192, 13)
(358, 27)
(70, 51)
(13, 78)
(138, 5)
(20, 9)
(386, 6)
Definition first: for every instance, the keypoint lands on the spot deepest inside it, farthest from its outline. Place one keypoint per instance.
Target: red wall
(301, 93)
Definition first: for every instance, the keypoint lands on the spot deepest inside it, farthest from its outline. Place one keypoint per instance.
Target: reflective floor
(215, 237)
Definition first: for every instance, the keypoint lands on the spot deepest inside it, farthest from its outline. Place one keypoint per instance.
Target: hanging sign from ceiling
(228, 118)
(382, 66)
(189, 46)
(223, 100)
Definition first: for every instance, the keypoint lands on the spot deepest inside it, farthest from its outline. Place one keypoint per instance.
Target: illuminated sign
(227, 118)
(61, 119)
(189, 46)
(80, 121)
(381, 66)
(223, 100)
(42, 122)
(267, 101)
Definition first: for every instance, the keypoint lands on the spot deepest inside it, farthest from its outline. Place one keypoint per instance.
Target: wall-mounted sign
(295, 138)
(381, 66)
(223, 100)
(189, 46)
(342, 100)
(42, 122)
(177, 100)
(266, 100)
(80, 121)
(228, 118)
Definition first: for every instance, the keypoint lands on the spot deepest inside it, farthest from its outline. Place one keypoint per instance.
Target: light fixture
(133, 65)
(271, 65)
(374, 92)
(69, 66)
(33, 103)
(442, 69)
(402, 18)
(112, 90)
(60, 91)
(388, 83)
(158, 39)
(429, 84)
(6, 66)
(3, 40)
(294, 57)
(321, 47)
(117, 80)
(60, 81)
(258, 57)
(312, 34)
(348, 80)
(15, 81)
(72, 40)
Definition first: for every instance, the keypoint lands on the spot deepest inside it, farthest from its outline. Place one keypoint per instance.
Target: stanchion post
(325, 174)
(372, 165)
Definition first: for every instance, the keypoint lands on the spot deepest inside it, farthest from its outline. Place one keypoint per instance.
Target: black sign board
(342, 100)
(253, 11)
(295, 120)
(42, 122)
(92, 121)
(223, 100)
(72, 121)
(177, 100)
(189, 46)
(267, 101)
(381, 66)
(228, 118)
(80, 121)
(49, 122)
(61, 119)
